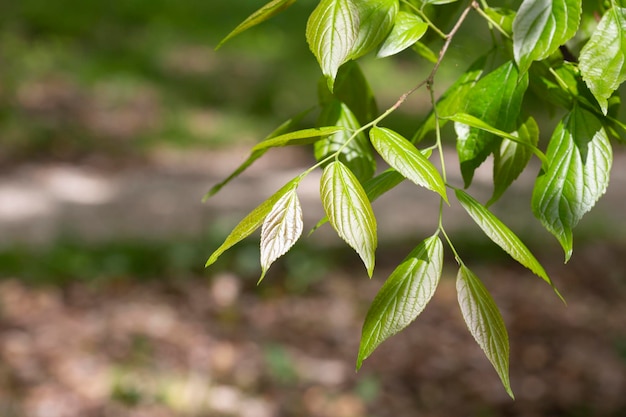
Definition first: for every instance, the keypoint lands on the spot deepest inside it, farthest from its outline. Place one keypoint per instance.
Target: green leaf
(581, 158)
(352, 89)
(501, 235)
(496, 100)
(264, 13)
(425, 52)
(358, 154)
(503, 17)
(403, 296)
(541, 26)
(438, 2)
(407, 29)
(484, 322)
(402, 155)
(513, 157)
(331, 31)
(253, 220)
(300, 137)
(349, 211)
(602, 59)
(376, 19)
(281, 229)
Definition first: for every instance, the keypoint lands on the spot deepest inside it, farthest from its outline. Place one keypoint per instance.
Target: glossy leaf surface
(407, 29)
(376, 19)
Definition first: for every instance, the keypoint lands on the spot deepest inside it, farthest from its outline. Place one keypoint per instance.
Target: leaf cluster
(540, 46)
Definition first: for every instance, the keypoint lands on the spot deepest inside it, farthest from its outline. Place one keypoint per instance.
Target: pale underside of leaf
(281, 229)
(484, 322)
(261, 15)
(404, 157)
(603, 58)
(403, 297)
(578, 176)
(349, 211)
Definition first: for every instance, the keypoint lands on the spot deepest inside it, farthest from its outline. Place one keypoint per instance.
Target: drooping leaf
(349, 211)
(331, 31)
(402, 155)
(501, 235)
(581, 156)
(407, 29)
(425, 52)
(300, 137)
(281, 229)
(376, 19)
(352, 89)
(496, 100)
(264, 13)
(503, 17)
(603, 58)
(403, 296)
(512, 158)
(484, 322)
(541, 26)
(252, 221)
(358, 154)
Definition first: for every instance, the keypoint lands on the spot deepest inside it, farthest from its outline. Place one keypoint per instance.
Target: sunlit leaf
(541, 26)
(603, 58)
(358, 154)
(402, 155)
(300, 137)
(581, 156)
(349, 211)
(407, 29)
(252, 221)
(500, 234)
(484, 322)
(425, 52)
(503, 17)
(331, 31)
(264, 13)
(495, 99)
(281, 229)
(403, 296)
(376, 19)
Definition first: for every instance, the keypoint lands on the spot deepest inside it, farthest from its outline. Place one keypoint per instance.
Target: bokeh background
(115, 119)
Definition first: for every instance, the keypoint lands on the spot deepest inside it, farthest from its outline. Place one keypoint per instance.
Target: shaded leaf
(496, 100)
(603, 58)
(503, 17)
(484, 322)
(403, 296)
(425, 52)
(358, 154)
(581, 158)
(264, 13)
(281, 229)
(501, 235)
(541, 26)
(376, 19)
(349, 211)
(252, 221)
(331, 31)
(407, 29)
(402, 155)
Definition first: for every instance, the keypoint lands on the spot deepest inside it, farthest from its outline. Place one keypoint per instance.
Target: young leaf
(603, 58)
(425, 52)
(496, 99)
(358, 154)
(484, 322)
(349, 211)
(407, 29)
(578, 175)
(541, 26)
(376, 19)
(269, 10)
(300, 137)
(253, 220)
(513, 157)
(402, 155)
(500, 234)
(331, 31)
(281, 229)
(403, 296)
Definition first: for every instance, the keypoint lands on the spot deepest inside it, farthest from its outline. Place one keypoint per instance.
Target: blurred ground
(115, 119)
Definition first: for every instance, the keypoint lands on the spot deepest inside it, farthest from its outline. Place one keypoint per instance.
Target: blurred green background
(123, 320)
